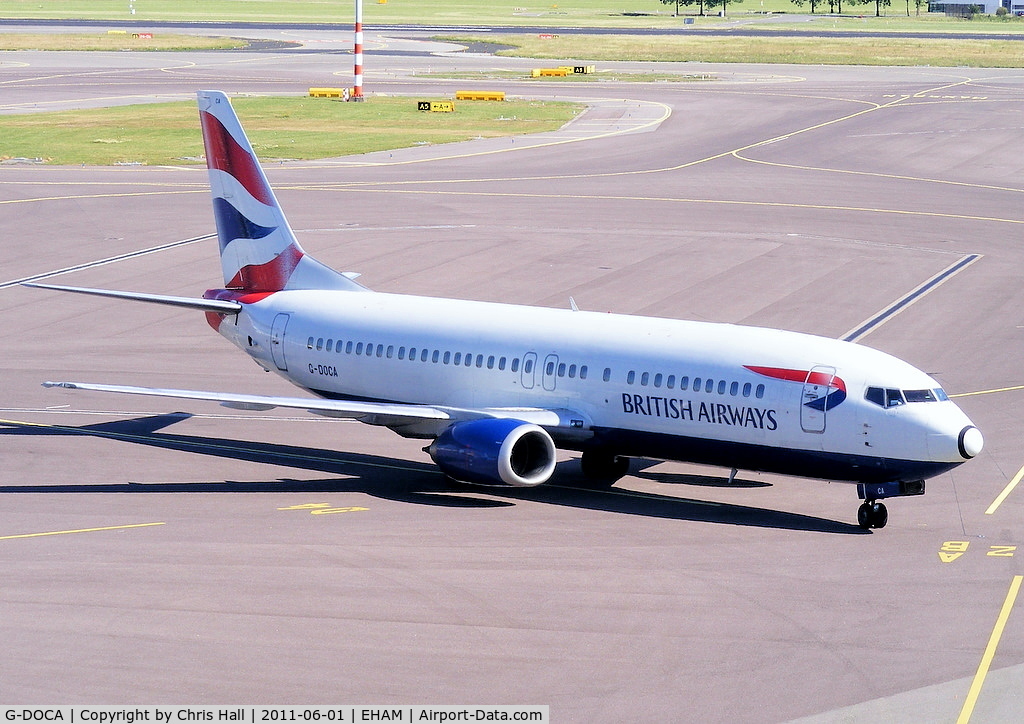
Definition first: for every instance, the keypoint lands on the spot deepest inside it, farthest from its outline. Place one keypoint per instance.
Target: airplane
(496, 388)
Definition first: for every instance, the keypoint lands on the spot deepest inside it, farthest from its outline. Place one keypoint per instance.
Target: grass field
(587, 13)
(950, 52)
(105, 41)
(279, 128)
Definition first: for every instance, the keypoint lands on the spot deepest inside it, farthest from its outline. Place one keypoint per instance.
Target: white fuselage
(745, 397)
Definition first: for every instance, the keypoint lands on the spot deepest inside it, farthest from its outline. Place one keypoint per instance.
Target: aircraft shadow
(399, 480)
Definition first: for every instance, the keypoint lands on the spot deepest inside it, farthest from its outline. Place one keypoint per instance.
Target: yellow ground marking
(1006, 492)
(80, 530)
(989, 392)
(876, 174)
(990, 652)
(722, 202)
(98, 196)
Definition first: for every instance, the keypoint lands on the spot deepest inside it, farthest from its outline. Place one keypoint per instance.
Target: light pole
(357, 50)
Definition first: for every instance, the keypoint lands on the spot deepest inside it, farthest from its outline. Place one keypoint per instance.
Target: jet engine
(495, 452)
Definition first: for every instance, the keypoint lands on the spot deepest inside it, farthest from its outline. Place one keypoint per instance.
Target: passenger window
(696, 384)
(528, 367)
(658, 379)
(645, 378)
(458, 358)
(746, 389)
(359, 348)
(893, 398)
(423, 355)
(550, 370)
(572, 371)
(380, 350)
(501, 363)
(391, 351)
(401, 353)
(561, 369)
(583, 372)
(447, 357)
(319, 344)
(670, 382)
(479, 360)
(684, 382)
(348, 347)
(759, 392)
(435, 356)
(515, 364)
(330, 345)
(721, 386)
(607, 376)
(309, 343)
(490, 362)
(734, 389)
(630, 377)
(709, 386)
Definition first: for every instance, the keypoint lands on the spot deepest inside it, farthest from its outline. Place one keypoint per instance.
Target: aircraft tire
(872, 514)
(602, 467)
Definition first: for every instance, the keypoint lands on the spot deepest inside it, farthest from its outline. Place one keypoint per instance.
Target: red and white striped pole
(357, 89)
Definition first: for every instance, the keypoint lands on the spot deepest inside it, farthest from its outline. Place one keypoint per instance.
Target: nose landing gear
(872, 514)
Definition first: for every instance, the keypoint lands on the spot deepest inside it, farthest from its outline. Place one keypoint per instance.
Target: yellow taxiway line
(80, 530)
(990, 652)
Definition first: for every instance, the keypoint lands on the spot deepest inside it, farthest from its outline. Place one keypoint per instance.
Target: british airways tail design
(496, 388)
(258, 251)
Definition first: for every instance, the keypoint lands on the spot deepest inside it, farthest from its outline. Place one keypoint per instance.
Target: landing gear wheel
(602, 467)
(872, 514)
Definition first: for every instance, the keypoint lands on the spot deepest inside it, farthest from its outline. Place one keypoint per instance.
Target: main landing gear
(873, 514)
(603, 468)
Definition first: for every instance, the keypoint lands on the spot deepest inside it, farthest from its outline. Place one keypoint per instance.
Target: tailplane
(258, 251)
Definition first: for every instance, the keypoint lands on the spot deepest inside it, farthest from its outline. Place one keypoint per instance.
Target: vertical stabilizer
(258, 251)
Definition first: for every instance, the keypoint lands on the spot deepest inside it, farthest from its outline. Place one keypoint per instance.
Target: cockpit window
(887, 397)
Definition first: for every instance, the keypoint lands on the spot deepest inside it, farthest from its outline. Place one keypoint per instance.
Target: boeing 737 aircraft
(497, 387)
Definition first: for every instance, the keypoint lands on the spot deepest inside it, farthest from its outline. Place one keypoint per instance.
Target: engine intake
(495, 452)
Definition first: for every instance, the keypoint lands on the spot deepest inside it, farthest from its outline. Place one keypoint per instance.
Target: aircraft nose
(970, 442)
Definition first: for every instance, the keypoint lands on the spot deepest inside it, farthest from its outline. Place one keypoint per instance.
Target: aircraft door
(529, 371)
(277, 341)
(548, 377)
(813, 401)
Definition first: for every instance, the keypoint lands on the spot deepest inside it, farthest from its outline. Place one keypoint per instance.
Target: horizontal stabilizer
(206, 305)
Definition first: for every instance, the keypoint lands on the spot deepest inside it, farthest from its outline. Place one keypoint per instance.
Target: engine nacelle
(495, 452)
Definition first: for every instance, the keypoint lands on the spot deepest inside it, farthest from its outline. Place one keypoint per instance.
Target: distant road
(807, 30)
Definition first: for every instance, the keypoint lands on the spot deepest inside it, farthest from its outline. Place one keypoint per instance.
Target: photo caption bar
(285, 714)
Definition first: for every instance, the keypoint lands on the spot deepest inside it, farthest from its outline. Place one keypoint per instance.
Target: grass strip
(943, 52)
(279, 128)
(114, 41)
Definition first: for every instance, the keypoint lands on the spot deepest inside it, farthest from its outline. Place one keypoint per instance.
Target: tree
(687, 3)
(800, 4)
(712, 4)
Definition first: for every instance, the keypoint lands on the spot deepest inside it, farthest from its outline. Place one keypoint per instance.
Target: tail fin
(258, 251)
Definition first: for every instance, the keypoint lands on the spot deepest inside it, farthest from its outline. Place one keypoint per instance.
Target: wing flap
(334, 408)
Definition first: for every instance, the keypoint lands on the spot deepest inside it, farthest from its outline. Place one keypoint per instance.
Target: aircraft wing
(416, 420)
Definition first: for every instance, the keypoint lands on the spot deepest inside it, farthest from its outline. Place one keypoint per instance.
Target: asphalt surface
(158, 553)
